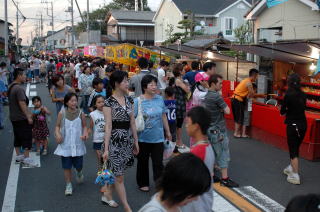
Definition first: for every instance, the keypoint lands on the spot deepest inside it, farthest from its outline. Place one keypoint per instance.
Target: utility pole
(52, 24)
(6, 31)
(141, 5)
(41, 26)
(17, 30)
(72, 26)
(88, 24)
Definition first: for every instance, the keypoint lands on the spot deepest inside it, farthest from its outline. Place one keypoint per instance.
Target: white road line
(33, 93)
(37, 211)
(35, 158)
(222, 205)
(259, 199)
(33, 86)
(10, 194)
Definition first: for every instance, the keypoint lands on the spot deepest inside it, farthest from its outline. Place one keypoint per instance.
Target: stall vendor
(243, 91)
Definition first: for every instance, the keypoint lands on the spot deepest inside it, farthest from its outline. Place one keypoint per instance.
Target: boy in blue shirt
(98, 89)
(170, 104)
(3, 90)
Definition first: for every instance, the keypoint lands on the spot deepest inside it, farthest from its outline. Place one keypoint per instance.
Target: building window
(115, 30)
(229, 25)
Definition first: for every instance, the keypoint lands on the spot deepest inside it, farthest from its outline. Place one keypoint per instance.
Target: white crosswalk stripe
(259, 199)
(220, 204)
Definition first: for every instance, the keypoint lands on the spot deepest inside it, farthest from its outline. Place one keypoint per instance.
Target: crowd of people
(134, 117)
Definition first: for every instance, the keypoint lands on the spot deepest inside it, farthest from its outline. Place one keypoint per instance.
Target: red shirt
(59, 68)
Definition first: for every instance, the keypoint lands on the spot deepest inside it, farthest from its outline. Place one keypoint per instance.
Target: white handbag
(139, 118)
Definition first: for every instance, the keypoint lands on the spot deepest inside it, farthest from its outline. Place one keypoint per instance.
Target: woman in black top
(293, 107)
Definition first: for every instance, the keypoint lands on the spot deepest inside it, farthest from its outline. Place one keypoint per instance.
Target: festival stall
(286, 58)
(128, 54)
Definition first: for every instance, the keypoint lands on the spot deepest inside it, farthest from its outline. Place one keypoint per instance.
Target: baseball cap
(201, 76)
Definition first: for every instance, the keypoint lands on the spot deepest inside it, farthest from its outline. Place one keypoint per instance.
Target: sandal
(110, 203)
(235, 136)
(245, 136)
(144, 189)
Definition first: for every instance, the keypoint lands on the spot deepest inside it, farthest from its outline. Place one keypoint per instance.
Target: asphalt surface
(253, 164)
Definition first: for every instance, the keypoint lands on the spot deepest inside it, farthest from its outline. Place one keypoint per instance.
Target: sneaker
(293, 178)
(45, 152)
(28, 162)
(183, 149)
(19, 158)
(287, 170)
(68, 191)
(216, 179)
(79, 177)
(111, 203)
(229, 183)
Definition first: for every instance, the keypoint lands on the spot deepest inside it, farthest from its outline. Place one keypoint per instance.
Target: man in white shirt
(36, 65)
(162, 78)
(77, 68)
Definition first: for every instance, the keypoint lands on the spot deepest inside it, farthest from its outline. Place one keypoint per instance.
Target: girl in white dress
(70, 132)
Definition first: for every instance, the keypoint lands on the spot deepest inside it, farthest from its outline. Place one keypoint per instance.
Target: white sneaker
(79, 177)
(183, 149)
(19, 158)
(29, 163)
(293, 178)
(68, 191)
(287, 170)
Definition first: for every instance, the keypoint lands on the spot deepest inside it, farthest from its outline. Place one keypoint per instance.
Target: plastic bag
(168, 149)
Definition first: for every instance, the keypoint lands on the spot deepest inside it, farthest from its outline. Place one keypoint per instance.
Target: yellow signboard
(128, 54)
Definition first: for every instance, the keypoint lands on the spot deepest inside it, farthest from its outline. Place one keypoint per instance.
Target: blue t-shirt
(3, 89)
(105, 82)
(190, 76)
(171, 110)
(152, 110)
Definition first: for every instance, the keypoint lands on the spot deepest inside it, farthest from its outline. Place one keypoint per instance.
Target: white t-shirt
(98, 126)
(78, 70)
(36, 63)
(162, 83)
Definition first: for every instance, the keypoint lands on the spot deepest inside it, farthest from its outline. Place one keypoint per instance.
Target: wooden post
(227, 70)
(237, 68)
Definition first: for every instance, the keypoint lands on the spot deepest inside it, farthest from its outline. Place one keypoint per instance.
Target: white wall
(295, 18)
(168, 14)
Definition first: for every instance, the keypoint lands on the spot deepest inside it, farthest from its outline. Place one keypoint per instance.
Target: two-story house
(211, 16)
(60, 39)
(128, 26)
(293, 19)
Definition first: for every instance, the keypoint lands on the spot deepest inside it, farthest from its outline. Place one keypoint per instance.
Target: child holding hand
(40, 130)
(70, 132)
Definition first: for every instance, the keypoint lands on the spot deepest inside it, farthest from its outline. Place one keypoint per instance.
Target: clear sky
(32, 9)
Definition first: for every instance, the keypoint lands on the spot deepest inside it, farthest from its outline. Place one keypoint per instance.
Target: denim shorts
(36, 72)
(222, 153)
(68, 162)
(97, 146)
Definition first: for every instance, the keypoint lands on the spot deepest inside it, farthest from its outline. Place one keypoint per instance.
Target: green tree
(244, 33)
(129, 4)
(97, 17)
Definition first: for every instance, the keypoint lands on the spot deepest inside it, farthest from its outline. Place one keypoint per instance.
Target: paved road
(255, 165)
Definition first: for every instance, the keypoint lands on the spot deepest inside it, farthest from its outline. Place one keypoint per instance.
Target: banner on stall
(272, 3)
(93, 51)
(128, 54)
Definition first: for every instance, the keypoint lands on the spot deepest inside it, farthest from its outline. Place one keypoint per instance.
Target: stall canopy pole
(237, 68)
(227, 70)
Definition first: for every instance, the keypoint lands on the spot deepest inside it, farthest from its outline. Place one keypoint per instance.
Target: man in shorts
(21, 118)
(243, 91)
(217, 132)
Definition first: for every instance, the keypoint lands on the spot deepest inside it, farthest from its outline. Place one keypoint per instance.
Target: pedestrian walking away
(293, 107)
